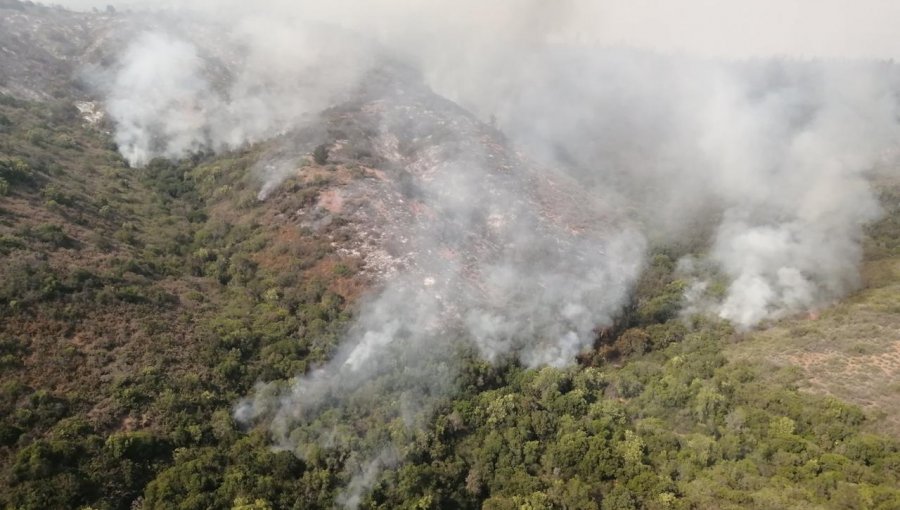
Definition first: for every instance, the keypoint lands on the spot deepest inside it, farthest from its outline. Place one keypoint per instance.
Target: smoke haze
(776, 152)
(721, 28)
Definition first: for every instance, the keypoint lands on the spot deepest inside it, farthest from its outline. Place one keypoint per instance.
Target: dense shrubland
(137, 305)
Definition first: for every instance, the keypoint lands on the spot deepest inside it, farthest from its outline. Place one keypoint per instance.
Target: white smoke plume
(190, 87)
(774, 151)
(780, 150)
(492, 271)
(159, 101)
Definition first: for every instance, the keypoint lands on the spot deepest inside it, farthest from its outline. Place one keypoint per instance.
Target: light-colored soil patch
(332, 201)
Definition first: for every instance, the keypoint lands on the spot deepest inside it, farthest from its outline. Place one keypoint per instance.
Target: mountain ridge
(140, 305)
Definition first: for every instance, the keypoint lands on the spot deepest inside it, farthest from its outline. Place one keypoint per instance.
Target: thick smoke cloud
(791, 240)
(774, 153)
(779, 150)
(222, 85)
(159, 100)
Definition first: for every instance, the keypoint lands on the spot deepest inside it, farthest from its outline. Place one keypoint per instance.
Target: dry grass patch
(851, 352)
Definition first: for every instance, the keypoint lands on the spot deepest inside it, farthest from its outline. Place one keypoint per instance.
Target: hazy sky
(842, 28)
(757, 27)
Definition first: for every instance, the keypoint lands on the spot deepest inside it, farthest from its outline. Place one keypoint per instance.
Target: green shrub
(38, 136)
(9, 243)
(52, 193)
(320, 154)
(65, 141)
(134, 446)
(16, 170)
(52, 235)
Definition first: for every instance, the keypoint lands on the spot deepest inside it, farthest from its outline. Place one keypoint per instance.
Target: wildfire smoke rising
(778, 148)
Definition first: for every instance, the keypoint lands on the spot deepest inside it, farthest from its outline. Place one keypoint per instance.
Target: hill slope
(137, 306)
(851, 350)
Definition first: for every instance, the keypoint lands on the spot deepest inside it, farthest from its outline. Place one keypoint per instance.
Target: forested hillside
(138, 306)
